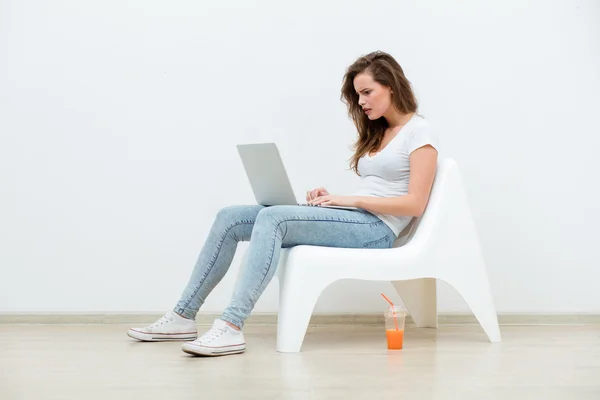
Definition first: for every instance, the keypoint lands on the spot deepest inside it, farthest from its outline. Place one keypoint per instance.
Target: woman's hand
(313, 194)
(333, 200)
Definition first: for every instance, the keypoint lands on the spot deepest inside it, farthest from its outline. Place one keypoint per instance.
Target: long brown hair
(386, 71)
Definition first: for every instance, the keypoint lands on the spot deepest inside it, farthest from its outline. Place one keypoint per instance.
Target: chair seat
(367, 264)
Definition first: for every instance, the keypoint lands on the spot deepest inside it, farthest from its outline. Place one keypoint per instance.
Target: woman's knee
(274, 217)
(274, 214)
(230, 212)
(238, 213)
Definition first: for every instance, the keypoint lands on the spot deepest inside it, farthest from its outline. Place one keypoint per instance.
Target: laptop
(268, 177)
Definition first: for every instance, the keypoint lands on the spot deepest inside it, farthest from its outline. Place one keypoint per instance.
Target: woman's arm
(423, 163)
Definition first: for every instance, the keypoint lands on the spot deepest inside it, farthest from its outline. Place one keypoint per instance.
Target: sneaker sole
(212, 351)
(160, 337)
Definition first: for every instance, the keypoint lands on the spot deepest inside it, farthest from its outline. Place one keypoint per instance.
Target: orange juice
(394, 338)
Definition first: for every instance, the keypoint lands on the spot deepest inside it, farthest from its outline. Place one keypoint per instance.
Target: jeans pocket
(381, 243)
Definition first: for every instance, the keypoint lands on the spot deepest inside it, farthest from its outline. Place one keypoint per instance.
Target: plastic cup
(394, 327)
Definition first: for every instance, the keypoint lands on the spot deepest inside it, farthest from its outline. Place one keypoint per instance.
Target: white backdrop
(119, 121)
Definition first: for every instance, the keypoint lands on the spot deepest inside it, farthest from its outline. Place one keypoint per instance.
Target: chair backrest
(445, 169)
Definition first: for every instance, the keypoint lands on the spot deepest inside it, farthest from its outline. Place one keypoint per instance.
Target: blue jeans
(269, 229)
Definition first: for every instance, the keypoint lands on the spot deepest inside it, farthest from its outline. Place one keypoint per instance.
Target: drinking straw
(393, 312)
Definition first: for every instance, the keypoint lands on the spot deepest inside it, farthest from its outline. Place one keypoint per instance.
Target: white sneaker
(170, 326)
(220, 340)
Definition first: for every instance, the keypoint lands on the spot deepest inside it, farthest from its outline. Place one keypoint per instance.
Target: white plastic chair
(441, 244)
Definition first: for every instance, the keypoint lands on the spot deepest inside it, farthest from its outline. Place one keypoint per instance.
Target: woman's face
(374, 98)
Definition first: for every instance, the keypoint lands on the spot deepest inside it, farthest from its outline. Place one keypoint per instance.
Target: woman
(395, 156)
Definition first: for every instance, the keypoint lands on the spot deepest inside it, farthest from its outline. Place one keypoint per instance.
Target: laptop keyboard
(309, 205)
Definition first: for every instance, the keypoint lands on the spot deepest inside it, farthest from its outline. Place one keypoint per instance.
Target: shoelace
(163, 320)
(212, 334)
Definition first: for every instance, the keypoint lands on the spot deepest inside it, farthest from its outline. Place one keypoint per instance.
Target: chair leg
(296, 304)
(420, 297)
(478, 296)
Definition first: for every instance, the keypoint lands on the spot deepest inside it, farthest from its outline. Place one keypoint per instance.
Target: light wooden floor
(337, 362)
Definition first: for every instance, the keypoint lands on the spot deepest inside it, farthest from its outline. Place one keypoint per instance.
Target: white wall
(119, 120)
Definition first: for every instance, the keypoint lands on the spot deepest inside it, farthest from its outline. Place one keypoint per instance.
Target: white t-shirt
(386, 173)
